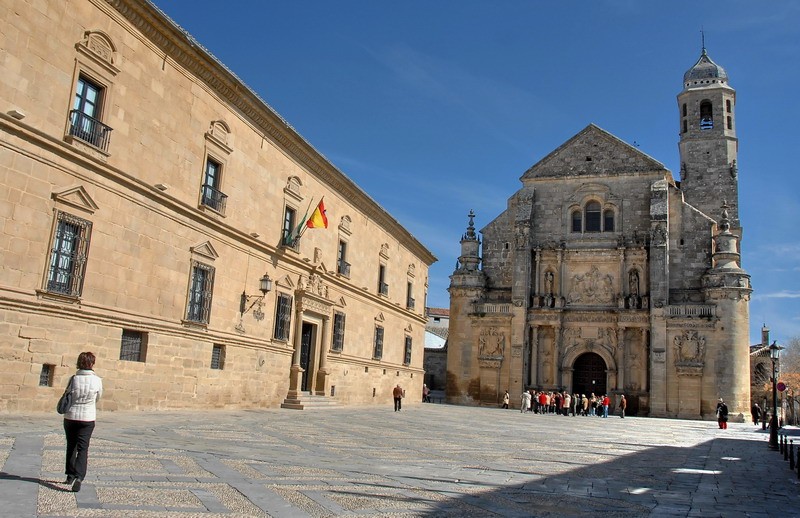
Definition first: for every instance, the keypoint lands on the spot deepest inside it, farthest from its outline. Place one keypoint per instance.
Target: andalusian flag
(318, 218)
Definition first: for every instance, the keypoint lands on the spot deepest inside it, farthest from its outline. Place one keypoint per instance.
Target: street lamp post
(774, 353)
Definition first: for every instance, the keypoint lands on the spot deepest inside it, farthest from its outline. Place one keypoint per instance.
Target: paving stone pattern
(427, 460)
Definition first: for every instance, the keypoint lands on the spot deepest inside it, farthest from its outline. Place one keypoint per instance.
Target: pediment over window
(344, 225)
(205, 249)
(100, 48)
(342, 302)
(292, 189)
(75, 196)
(285, 282)
(380, 318)
(220, 134)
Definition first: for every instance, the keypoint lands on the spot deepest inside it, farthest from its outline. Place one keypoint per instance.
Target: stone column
(296, 371)
(534, 366)
(323, 374)
(620, 358)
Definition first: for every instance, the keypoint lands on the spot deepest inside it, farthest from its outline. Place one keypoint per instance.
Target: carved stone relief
(591, 288)
(492, 343)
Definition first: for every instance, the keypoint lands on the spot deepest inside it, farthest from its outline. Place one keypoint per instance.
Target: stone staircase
(310, 401)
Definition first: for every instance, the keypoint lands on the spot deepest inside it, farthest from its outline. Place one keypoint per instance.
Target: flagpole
(305, 219)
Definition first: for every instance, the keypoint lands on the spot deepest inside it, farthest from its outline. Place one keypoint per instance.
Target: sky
(436, 108)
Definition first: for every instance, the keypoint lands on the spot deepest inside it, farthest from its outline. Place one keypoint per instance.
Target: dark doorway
(589, 375)
(306, 341)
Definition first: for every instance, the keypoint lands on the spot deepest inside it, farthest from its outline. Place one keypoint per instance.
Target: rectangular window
(409, 296)
(377, 351)
(134, 344)
(200, 291)
(342, 266)
(46, 376)
(68, 255)
(289, 238)
(407, 356)
(210, 194)
(338, 331)
(383, 288)
(283, 317)
(84, 118)
(218, 357)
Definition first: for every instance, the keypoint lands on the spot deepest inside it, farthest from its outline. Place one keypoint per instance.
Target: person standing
(606, 403)
(506, 399)
(525, 401)
(397, 394)
(623, 404)
(79, 420)
(756, 412)
(722, 415)
(426, 394)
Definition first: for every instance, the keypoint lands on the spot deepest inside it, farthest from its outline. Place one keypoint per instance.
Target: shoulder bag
(65, 401)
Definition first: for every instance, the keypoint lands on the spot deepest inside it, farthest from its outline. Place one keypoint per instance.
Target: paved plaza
(427, 460)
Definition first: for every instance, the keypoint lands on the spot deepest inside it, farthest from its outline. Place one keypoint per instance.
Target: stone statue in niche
(549, 299)
(633, 289)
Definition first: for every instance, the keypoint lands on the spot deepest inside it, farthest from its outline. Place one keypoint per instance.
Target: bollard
(785, 448)
(791, 454)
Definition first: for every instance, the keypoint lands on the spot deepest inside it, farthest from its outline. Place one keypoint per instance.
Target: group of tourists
(564, 403)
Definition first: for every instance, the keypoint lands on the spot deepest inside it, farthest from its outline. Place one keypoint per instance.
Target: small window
(342, 266)
(383, 288)
(684, 109)
(437, 319)
(728, 105)
(730, 122)
(283, 317)
(410, 296)
(84, 119)
(407, 356)
(685, 126)
(200, 291)
(377, 351)
(68, 255)
(338, 331)
(289, 237)
(577, 221)
(46, 375)
(592, 217)
(133, 347)
(608, 221)
(210, 194)
(706, 116)
(218, 357)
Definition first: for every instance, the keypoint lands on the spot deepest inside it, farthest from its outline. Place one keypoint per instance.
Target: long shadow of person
(46, 483)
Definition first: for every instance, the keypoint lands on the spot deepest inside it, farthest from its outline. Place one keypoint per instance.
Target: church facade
(606, 275)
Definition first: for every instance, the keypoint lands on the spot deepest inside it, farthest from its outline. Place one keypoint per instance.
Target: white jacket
(87, 387)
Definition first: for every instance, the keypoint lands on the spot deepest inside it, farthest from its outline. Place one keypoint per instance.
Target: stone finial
(471, 227)
(725, 222)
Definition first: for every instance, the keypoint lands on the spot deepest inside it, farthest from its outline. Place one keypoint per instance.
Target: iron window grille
(283, 317)
(132, 348)
(338, 331)
(212, 198)
(377, 352)
(218, 357)
(46, 376)
(407, 357)
(68, 255)
(200, 292)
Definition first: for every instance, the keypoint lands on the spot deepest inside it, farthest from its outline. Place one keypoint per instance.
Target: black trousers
(78, 435)
(398, 403)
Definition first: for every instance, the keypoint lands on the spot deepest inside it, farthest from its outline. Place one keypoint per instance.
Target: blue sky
(436, 108)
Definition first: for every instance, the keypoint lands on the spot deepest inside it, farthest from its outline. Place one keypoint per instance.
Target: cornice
(181, 47)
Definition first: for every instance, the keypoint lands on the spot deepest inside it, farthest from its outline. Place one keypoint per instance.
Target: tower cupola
(705, 72)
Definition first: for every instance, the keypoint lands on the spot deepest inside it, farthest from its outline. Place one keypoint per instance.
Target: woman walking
(86, 388)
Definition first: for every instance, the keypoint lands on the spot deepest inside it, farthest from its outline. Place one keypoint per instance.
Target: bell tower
(708, 144)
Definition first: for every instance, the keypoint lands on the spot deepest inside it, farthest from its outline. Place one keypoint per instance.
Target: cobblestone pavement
(427, 460)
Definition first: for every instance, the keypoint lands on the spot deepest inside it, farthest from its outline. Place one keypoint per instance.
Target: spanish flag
(318, 218)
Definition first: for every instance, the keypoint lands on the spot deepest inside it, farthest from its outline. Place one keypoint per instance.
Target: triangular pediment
(285, 282)
(380, 318)
(205, 249)
(75, 196)
(593, 152)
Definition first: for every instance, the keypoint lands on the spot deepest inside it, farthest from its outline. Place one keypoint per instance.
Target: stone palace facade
(149, 212)
(606, 275)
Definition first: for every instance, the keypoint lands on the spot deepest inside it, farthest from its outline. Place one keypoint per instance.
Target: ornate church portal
(606, 274)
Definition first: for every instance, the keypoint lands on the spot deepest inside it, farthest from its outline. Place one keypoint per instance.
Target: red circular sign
(781, 386)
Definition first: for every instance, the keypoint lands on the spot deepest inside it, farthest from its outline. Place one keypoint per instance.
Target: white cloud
(783, 294)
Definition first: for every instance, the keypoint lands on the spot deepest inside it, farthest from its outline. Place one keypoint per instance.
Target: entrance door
(306, 341)
(589, 375)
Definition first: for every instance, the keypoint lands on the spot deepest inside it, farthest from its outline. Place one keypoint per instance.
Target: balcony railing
(343, 268)
(383, 288)
(89, 130)
(691, 310)
(210, 197)
(289, 240)
(491, 308)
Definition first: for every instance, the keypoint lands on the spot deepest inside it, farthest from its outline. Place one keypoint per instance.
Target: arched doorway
(589, 374)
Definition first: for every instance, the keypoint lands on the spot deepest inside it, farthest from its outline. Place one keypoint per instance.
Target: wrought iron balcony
(288, 240)
(410, 303)
(343, 268)
(383, 288)
(89, 130)
(210, 197)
